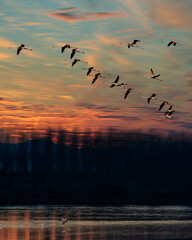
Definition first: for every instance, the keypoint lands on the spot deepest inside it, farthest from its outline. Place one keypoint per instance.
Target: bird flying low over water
(174, 43)
(152, 97)
(74, 50)
(127, 92)
(162, 105)
(155, 76)
(21, 47)
(77, 60)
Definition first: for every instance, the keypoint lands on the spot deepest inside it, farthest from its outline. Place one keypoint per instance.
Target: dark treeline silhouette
(111, 162)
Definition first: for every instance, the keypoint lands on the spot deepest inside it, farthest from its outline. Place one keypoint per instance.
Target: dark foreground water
(103, 222)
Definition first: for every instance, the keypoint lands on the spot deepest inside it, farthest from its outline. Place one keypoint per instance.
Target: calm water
(91, 223)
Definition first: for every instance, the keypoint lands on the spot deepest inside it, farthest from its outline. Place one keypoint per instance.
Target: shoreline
(11, 199)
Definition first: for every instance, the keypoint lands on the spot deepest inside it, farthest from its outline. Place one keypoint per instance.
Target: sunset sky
(41, 87)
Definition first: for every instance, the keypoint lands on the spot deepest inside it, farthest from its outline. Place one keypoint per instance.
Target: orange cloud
(6, 43)
(174, 14)
(4, 56)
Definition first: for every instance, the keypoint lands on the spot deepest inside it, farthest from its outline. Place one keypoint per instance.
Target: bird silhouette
(77, 60)
(162, 105)
(127, 92)
(152, 97)
(153, 76)
(174, 43)
(74, 50)
(21, 47)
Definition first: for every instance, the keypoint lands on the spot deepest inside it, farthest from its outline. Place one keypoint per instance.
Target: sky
(41, 88)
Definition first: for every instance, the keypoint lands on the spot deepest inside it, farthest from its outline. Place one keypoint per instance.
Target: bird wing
(89, 71)
(72, 54)
(152, 72)
(169, 44)
(127, 93)
(148, 100)
(63, 48)
(135, 41)
(161, 106)
(18, 50)
(94, 79)
(116, 80)
(112, 85)
(73, 63)
(157, 75)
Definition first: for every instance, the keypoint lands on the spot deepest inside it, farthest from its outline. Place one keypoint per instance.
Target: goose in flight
(174, 43)
(21, 47)
(162, 105)
(74, 50)
(155, 76)
(152, 97)
(77, 60)
(127, 92)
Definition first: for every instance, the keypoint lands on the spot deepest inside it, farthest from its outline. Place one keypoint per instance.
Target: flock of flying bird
(167, 114)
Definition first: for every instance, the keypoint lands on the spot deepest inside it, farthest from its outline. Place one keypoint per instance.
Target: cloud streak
(75, 16)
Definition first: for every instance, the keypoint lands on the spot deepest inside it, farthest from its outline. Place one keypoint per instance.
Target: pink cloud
(79, 16)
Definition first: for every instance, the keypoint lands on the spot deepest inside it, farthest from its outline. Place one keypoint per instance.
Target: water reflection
(91, 223)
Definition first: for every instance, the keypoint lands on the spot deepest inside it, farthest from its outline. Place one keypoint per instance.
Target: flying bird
(173, 43)
(169, 109)
(133, 44)
(74, 50)
(155, 76)
(96, 76)
(169, 114)
(162, 105)
(152, 97)
(77, 60)
(64, 47)
(127, 92)
(21, 47)
(115, 82)
(90, 69)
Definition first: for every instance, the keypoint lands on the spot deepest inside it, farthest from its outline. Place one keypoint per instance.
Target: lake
(43, 222)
